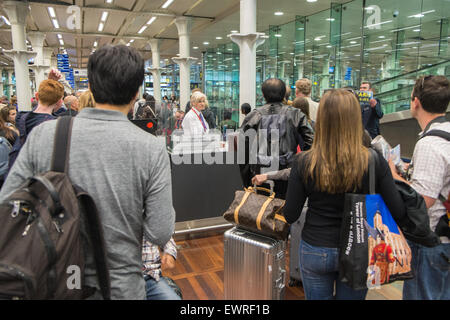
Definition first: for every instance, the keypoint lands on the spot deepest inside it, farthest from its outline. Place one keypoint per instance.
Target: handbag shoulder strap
(372, 155)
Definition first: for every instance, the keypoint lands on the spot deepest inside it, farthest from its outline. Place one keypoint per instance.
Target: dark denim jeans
(159, 290)
(431, 267)
(320, 270)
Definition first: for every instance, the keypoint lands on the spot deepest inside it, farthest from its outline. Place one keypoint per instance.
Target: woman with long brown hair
(7, 129)
(336, 164)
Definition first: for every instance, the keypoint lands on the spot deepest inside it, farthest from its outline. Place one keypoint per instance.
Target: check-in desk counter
(401, 128)
(204, 181)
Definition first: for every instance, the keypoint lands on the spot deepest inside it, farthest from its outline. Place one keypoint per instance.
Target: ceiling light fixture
(151, 20)
(234, 31)
(219, 38)
(195, 48)
(61, 41)
(55, 23)
(6, 20)
(109, 1)
(59, 36)
(311, 0)
(278, 35)
(51, 11)
(142, 29)
(278, 13)
(206, 43)
(101, 25)
(104, 16)
(421, 15)
(166, 4)
(95, 43)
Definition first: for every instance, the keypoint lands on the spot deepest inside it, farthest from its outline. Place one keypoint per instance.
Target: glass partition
(389, 43)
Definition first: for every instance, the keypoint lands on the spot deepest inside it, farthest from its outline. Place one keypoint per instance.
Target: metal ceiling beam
(88, 34)
(113, 8)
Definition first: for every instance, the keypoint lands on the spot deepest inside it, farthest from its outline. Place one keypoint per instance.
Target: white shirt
(192, 125)
(431, 172)
(313, 107)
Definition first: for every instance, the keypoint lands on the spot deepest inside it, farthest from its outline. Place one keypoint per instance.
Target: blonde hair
(337, 160)
(304, 86)
(86, 100)
(196, 96)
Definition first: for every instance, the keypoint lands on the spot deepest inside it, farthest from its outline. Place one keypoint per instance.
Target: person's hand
(55, 74)
(394, 172)
(167, 261)
(259, 179)
(373, 103)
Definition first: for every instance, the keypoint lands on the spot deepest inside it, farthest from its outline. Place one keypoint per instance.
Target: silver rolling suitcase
(295, 277)
(254, 266)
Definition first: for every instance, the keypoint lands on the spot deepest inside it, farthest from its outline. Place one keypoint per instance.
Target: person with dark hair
(139, 105)
(292, 126)
(148, 110)
(134, 198)
(8, 115)
(371, 112)
(227, 123)
(245, 108)
(429, 176)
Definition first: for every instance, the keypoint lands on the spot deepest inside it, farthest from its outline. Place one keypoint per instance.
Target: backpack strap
(60, 163)
(442, 134)
(95, 232)
(61, 149)
(437, 133)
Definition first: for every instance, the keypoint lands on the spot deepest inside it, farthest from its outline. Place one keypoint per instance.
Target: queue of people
(324, 153)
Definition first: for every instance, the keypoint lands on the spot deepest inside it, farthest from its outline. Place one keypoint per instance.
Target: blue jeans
(320, 275)
(159, 290)
(431, 267)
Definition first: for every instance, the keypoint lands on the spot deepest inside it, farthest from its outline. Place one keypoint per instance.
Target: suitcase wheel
(294, 283)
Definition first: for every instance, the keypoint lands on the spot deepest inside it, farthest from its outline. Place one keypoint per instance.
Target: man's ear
(36, 95)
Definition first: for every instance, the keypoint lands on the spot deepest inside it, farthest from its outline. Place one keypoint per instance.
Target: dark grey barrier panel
(202, 191)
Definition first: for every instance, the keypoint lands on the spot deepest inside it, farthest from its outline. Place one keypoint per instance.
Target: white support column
(156, 69)
(247, 40)
(10, 84)
(17, 13)
(37, 41)
(184, 60)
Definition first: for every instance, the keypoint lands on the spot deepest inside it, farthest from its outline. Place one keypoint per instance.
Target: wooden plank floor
(199, 273)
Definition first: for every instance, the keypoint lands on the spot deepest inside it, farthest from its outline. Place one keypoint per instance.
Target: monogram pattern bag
(258, 213)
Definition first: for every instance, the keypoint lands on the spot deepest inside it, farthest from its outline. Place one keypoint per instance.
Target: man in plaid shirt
(156, 286)
(431, 178)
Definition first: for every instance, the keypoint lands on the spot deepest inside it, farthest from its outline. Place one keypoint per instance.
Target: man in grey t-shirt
(123, 168)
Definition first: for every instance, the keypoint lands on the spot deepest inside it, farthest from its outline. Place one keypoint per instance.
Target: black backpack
(42, 246)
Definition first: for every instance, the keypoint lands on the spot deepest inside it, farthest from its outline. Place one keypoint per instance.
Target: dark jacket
(209, 117)
(25, 122)
(371, 118)
(298, 132)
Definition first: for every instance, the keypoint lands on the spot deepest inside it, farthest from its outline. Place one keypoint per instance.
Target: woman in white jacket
(194, 123)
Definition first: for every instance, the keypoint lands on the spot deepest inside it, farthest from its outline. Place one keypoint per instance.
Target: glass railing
(395, 93)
